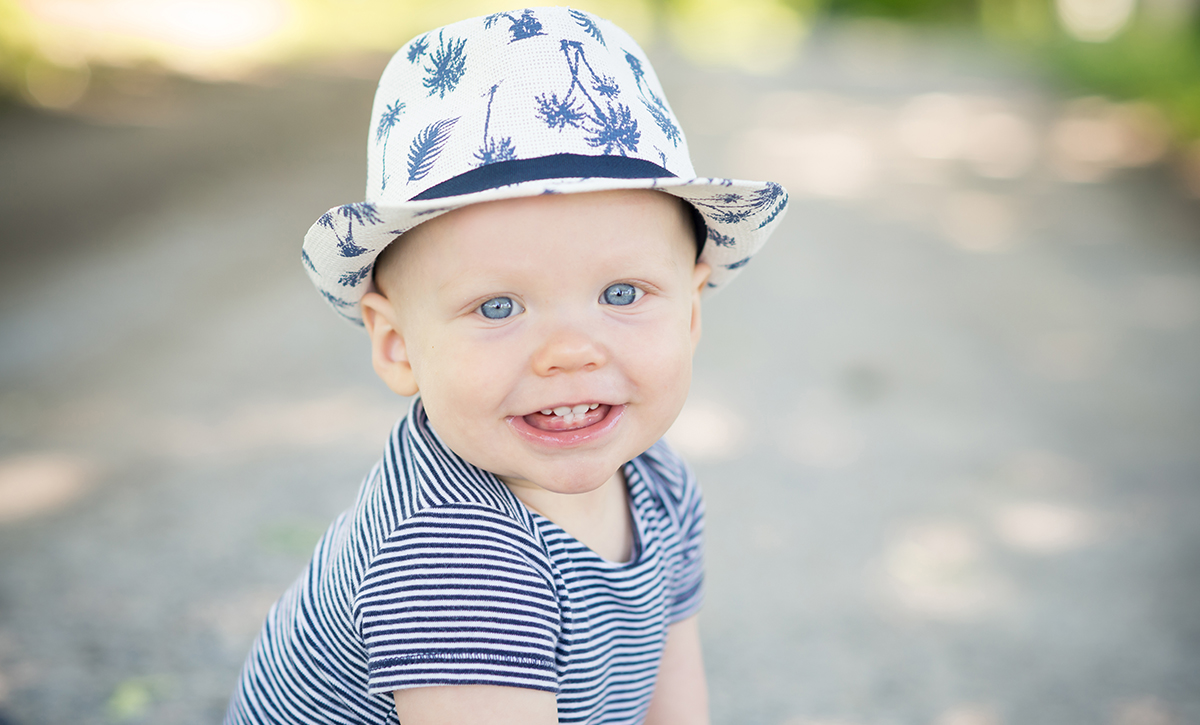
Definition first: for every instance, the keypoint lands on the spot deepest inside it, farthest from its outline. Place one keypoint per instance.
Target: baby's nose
(568, 349)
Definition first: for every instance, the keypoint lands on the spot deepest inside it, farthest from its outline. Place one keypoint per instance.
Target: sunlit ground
(946, 423)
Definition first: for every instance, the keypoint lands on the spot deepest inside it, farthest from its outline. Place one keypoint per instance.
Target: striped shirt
(438, 575)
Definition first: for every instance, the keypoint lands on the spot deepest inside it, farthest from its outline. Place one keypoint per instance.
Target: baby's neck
(599, 519)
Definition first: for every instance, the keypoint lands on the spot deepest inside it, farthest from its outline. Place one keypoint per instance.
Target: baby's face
(551, 337)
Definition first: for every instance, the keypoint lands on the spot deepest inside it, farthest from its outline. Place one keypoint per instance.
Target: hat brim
(341, 247)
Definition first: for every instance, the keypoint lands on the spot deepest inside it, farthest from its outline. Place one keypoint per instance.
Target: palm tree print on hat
(494, 150)
(387, 120)
(521, 28)
(719, 239)
(417, 48)
(338, 303)
(735, 208)
(654, 104)
(449, 62)
(609, 127)
(355, 278)
(345, 308)
(361, 212)
(427, 146)
(427, 212)
(589, 26)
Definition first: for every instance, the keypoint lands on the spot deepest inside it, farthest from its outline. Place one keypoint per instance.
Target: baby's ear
(389, 355)
(700, 277)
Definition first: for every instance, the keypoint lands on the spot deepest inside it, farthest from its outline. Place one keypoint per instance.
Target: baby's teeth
(570, 413)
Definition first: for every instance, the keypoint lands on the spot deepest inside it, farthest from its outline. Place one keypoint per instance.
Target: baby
(529, 262)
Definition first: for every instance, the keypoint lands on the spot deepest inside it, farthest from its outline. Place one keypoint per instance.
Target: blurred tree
(16, 50)
(921, 10)
(1126, 49)
(1122, 49)
(1151, 62)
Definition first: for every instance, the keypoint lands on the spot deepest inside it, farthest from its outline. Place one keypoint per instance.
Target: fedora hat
(546, 100)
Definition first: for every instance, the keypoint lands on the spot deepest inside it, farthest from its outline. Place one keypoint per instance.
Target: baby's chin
(561, 483)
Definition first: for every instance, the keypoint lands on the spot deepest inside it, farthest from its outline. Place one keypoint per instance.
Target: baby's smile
(576, 425)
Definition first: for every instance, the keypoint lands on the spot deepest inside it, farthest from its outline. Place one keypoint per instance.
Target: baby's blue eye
(621, 294)
(499, 308)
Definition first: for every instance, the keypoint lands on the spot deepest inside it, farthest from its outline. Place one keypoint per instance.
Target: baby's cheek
(672, 336)
(665, 357)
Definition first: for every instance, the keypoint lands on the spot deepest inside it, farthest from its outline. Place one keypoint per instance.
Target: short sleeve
(459, 595)
(674, 486)
(689, 580)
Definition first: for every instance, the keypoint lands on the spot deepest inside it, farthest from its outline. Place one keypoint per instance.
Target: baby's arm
(681, 695)
(475, 705)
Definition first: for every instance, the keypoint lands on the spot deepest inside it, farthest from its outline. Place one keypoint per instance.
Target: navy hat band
(559, 166)
(556, 166)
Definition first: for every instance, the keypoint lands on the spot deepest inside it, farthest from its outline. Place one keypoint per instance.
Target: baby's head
(543, 290)
(550, 337)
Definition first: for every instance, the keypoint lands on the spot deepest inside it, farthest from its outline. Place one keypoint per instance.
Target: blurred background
(948, 423)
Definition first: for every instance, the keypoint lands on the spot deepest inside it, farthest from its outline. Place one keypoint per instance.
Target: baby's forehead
(529, 235)
(590, 219)
(545, 205)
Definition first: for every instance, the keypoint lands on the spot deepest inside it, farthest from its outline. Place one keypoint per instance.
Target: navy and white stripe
(439, 576)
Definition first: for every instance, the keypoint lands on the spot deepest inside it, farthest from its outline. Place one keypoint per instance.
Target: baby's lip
(557, 432)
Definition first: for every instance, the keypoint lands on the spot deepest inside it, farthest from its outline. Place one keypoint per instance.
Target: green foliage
(1156, 63)
(936, 10)
(1153, 59)
(134, 697)
(1021, 21)
(16, 50)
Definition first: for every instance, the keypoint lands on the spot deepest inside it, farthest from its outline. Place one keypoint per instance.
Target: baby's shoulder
(666, 474)
(398, 507)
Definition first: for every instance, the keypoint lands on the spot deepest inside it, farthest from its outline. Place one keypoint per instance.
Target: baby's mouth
(568, 417)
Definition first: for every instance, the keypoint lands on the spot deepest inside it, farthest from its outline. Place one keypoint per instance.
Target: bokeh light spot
(1094, 21)
(759, 36)
(934, 126)
(1143, 711)
(706, 431)
(53, 86)
(936, 569)
(978, 221)
(1093, 137)
(969, 714)
(1001, 145)
(35, 484)
(1045, 528)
